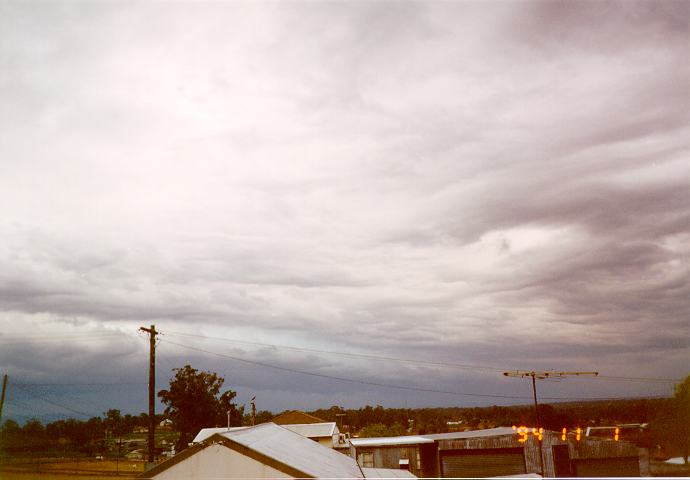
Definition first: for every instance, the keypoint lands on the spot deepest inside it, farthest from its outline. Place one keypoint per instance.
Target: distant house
(135, 455)
(294, 417)
(266, 451)
(165, 424)
(498, 452)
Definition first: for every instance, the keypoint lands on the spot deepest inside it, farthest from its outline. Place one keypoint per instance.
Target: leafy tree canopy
(381, 430)
(194, 401)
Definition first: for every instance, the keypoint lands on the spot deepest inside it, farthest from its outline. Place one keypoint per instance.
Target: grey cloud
(603, 26)
(471, 183)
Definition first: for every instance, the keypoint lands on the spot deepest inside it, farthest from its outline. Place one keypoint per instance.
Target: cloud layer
(493, 184)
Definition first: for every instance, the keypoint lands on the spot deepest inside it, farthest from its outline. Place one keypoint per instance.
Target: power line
(56, 404)
(406, 360)
(639, 379)
(345, 354)
(332, 377)
(85, 384)
(377, 384)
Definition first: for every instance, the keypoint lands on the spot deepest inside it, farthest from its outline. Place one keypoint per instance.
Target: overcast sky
(486, 184)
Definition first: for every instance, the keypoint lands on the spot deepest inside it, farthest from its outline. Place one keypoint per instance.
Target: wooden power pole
(152, 389)
(537, 375)
(2, 398)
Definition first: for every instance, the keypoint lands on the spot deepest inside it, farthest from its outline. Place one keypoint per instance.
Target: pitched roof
(293, 417)
(312, 430)
(205, 433)
(309, 430)
(299, 452)
(279, 447)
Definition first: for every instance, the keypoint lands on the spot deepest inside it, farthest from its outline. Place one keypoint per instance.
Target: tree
(682, 401)
(115, 423)
(194, 401)
(381, 430)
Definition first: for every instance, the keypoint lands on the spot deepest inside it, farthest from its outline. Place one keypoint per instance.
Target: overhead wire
(378, 384)
(55, 404)
(80, 384)
(407, 360)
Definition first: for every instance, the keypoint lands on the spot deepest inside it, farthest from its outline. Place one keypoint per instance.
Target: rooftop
(295, 450)
(381, 441)
(431, 438)
(313, 430)
(205, 433)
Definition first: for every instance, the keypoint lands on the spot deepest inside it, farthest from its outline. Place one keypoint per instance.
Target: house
(294, 417)
(260, 452)
(501, 452)
(324, 433)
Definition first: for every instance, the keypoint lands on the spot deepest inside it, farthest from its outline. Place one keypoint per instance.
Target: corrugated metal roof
(312, 430)
(292, 449)
(204, 433)
(387, 473)
(488, 432)
(418, 439)
(381, 441)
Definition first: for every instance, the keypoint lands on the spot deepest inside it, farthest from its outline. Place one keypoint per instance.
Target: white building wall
(219, 462)
(326, 442)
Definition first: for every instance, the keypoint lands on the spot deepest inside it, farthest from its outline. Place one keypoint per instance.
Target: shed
(598, 457)
(264, 451)
(389, 452)
(497, 452)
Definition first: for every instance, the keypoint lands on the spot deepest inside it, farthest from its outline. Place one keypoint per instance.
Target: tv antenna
(541, 375)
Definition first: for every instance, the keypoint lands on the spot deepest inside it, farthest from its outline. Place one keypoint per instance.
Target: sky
(343, 203)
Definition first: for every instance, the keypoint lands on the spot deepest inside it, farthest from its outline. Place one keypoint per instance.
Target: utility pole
(541, 375)
(2, 398)
(253, 410)
(152, 389)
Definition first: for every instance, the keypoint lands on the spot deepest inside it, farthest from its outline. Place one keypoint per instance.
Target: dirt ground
(57, 476)
(68, 470)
